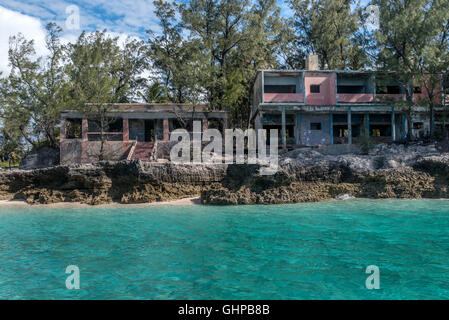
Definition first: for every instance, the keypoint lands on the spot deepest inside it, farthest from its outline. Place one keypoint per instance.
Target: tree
(101, 74)
(328, 28)
(35, 90)
(170, 55)
(11, 146)
(154, 93)
(411, 39)
(234, 39)
(434, 62)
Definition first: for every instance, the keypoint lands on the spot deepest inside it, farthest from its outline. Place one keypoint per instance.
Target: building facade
(132, 130)
(313, 107)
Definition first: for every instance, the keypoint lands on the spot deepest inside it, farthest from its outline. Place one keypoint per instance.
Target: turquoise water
(298, 251)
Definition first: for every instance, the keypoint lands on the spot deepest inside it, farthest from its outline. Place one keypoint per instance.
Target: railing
(109, 136)
(355, 97)
(131, 151)
(389, 96)
(283, 98)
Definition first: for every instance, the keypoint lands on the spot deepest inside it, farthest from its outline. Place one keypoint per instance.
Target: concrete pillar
(84, 129)
(349, 126)
(84, 143)
(225, 125)
(296, 131)
(166, 129)
(260, 120)
(404, 127)
(125, 129)
(367, 124)
(62, 130)
(205, 124)
(393, 125)
(331, 129)
(284, 135)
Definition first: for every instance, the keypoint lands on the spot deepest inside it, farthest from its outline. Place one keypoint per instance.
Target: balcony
(355, 97)
(283, 97)
(390, 96)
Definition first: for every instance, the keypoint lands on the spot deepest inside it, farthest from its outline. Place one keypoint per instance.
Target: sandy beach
(179, 202)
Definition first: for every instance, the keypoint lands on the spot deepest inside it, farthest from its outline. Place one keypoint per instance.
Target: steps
(142, 151)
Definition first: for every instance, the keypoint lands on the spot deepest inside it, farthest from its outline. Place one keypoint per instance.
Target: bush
(366, 144)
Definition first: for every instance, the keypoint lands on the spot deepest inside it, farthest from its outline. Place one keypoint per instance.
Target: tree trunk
(432, 120)
(408, 113)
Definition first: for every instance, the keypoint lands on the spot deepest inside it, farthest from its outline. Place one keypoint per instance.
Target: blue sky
(120, 17)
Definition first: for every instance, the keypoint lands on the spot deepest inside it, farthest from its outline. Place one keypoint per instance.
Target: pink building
(134, 131)
(312, 106)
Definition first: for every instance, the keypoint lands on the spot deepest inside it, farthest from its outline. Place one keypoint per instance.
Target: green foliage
(227, 42)
(365, 144)
(154, 93)
(11, 149)
(328, 28)
(413, 43)
(101, 72)
(210, 51)
(34, 92)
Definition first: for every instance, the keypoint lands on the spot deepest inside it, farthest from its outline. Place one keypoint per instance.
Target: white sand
(180, 202)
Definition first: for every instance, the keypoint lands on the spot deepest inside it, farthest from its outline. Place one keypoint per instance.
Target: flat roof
(156, 107)
(332, 71)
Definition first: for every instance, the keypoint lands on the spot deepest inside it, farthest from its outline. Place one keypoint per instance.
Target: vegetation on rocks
(210, 51)
(304, 175)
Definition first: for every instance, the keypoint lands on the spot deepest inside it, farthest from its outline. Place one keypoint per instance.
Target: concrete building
(133, 130)
(312, 107)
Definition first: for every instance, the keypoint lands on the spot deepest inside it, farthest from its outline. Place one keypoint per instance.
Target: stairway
(142, 151)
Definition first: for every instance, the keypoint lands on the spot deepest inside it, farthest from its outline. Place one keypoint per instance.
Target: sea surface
(294, 251)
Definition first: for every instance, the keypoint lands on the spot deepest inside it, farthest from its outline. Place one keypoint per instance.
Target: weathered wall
(276, 80)
(327, 88)
(70, 151)
(42, 158)
(79, 151)
(313, 137)
(304, 175)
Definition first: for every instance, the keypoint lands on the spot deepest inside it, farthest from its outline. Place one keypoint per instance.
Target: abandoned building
(311, 107)
(133, 131)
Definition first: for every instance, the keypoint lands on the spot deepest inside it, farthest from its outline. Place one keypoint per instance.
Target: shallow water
(297, 251)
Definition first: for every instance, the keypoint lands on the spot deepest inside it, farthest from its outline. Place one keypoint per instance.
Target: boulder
(41, 158)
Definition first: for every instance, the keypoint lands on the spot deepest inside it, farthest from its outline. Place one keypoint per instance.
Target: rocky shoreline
(304, 175)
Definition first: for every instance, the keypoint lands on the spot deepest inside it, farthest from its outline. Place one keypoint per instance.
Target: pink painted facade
(423, 96)
(326, 81)
(136, 130)
(283, 97)
(327, 95)
(355, 97)
(385, 97)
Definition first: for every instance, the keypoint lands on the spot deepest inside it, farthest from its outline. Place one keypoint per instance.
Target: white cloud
(11, 23)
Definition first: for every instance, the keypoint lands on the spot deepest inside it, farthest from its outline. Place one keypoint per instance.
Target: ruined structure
(313, 107)
(133, 131)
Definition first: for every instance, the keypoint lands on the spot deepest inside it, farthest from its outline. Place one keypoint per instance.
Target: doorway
(149, 130)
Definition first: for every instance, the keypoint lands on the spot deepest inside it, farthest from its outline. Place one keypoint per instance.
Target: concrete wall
(137, 129)
(275, 80)
(78, 151)
(70, 151)
(327, 88)
(354, 81)
(313, 137)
